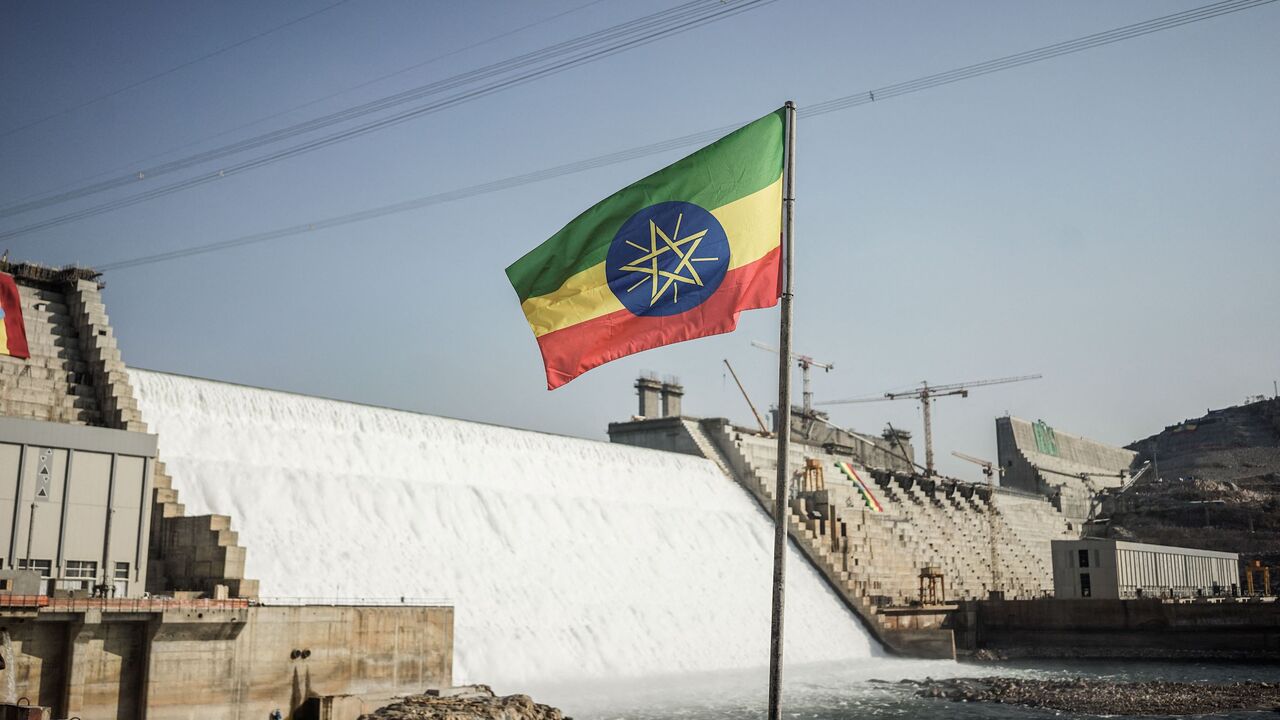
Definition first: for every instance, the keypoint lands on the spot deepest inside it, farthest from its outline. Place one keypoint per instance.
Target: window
(1085, 589)
(44, 567)
(122, 571)
(1084, 558)
(82, 569)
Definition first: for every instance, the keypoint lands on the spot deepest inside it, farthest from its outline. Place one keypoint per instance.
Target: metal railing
(13, 601)
(10, 601)
(336, 601)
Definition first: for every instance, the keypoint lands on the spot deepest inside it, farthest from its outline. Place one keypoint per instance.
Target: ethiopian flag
(13, 336)
(673, 257)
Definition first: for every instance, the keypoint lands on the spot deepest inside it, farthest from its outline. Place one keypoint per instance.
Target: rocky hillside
(1214, 484)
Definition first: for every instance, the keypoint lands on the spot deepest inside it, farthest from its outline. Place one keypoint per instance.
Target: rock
(1105, 697)
(468, 702)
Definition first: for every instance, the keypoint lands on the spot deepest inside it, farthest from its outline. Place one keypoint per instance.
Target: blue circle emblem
(667, 259)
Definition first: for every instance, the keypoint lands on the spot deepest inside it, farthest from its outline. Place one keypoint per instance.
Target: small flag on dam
(13, 335)
(673, 257)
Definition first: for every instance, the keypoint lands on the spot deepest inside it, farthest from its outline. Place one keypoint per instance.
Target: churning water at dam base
(871, 688)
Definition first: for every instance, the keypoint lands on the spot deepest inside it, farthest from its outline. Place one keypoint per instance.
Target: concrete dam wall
(566, 559)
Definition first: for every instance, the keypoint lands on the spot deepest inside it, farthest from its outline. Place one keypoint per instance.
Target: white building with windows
(1095, 568)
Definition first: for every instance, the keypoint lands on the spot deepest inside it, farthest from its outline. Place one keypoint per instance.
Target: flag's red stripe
(571, 351)
(12, 304)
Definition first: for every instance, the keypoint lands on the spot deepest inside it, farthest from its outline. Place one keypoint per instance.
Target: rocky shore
(473, 702)
(1104, 697)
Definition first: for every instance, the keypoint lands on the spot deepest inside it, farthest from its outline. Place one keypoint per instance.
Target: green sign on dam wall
(1046, 441)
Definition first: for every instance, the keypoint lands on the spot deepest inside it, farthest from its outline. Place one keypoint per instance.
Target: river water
(868, 688)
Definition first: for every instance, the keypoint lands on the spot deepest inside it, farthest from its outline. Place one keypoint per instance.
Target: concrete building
(1116, 569)
(75, 505)
(1068, 469)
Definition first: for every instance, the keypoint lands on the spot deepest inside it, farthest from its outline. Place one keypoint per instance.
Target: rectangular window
(1084, 558)
(122, 571)
(82, 569)
(1085, 589)
(44, 567)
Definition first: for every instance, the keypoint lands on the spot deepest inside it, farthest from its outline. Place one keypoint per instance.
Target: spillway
(567, 559)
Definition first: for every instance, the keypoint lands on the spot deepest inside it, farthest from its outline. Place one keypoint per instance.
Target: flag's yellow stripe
(4, 337)
(753, 225)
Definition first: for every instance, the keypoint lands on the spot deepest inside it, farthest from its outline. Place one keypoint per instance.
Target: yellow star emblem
(647, 263)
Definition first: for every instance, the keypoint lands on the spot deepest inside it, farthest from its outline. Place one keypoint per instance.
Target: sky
(1107, 219)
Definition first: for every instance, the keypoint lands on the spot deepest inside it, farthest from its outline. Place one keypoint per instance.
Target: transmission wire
(818, 109)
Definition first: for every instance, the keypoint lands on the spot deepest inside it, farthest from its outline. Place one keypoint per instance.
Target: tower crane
(925, 394)
(805, 362)
(989, 468)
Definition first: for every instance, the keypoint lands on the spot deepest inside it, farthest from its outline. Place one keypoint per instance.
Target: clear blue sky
(1108, 218)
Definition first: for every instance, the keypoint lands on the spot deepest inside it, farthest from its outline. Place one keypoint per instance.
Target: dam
(566, 559)
(186, 548)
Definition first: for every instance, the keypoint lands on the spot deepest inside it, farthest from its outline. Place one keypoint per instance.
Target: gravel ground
(1102, 697)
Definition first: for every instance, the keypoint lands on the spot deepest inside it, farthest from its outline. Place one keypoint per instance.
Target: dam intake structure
(567, 559)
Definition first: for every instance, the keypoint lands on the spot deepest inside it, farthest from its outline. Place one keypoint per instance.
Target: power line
(699, 138)
(170, 71)
(834, 105)
(661, 32)
(666, 22)
(131, 175)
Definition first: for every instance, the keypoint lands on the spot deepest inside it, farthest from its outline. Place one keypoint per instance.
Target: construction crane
(925, 394)
(988, 468)
(745, 396)
(805, 362)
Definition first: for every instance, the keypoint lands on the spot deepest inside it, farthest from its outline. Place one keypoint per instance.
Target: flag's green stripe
(734, 166)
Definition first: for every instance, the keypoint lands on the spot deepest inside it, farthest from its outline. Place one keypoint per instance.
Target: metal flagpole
(784, 418)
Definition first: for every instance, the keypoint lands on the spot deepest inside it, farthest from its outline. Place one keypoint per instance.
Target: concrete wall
(1134, 629)
(1066, 468)
(667, 434)
(226, 664)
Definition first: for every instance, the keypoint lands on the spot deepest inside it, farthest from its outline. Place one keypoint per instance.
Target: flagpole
(780, 493)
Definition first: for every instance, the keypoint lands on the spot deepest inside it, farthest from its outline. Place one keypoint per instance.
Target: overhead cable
(699, 138)
(170, 71)
(501, 75)
(130, 168)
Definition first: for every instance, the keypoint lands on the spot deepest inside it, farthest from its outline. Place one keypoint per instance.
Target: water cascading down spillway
(10, 668)
(566, 559)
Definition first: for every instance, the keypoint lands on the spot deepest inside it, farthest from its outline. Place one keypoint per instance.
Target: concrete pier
(222, 660)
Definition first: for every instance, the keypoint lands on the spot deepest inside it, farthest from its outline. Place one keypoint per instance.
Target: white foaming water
(566, 559)
(10, 669)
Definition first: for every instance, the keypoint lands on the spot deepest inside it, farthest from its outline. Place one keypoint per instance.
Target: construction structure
(870, 523)
(1070, 470)
(926, 394)
(114, 602)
